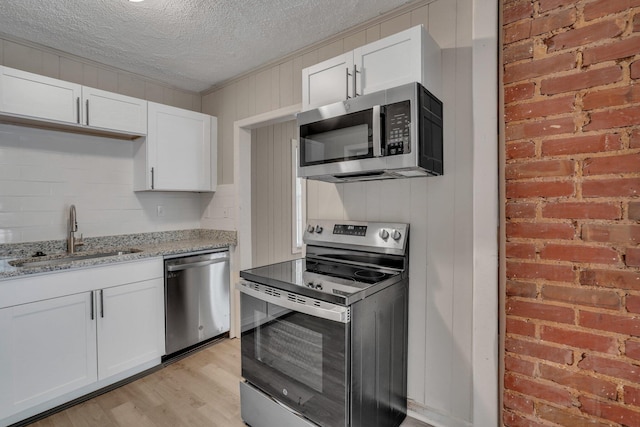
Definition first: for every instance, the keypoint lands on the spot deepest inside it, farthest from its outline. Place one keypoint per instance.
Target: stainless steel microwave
(394, 133)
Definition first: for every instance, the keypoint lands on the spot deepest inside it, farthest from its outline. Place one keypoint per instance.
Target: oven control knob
(395, 235)
(318, 229)
(384, 234)
(319, 286)
(310, 228)
(310, 285)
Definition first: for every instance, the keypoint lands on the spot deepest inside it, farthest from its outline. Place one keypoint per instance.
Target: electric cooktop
(327, 281)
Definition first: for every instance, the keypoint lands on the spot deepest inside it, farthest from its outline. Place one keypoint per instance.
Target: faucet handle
(79, 242)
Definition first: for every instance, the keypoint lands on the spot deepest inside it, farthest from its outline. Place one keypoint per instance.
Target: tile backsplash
(43, 172)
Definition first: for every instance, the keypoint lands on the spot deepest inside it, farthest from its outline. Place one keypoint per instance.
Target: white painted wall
(272, 194)
(453, 374)
(440, 212)
(218, 209)
(452, 369)
(42, 172)
(58, 65)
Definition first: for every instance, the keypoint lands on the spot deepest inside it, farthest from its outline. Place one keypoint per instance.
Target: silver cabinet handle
(92, 308)
(355, 80)
(87, 112)
(152, 178)
(78, 110)
(347, 83)
(101, 303)
(377, 141)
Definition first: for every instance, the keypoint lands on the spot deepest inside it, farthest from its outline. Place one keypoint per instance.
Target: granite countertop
(148, 245)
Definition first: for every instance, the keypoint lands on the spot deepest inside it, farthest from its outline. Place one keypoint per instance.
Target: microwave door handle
(355, 81)
(346, 86)
(377, 141)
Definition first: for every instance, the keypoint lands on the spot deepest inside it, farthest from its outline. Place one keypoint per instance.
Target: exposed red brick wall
(572, 134)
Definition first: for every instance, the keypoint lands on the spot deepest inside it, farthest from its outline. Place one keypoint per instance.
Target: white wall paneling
(53, 63)
(453, 268)
(242, 256)
(271, 197)
(358, 209)
(485, 207)
(452, 380)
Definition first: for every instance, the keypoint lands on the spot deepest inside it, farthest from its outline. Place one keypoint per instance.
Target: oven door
(297, 355)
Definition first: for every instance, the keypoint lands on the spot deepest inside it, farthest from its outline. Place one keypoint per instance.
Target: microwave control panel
(397, 128)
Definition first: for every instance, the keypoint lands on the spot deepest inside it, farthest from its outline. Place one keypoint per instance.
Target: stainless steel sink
(66, 259)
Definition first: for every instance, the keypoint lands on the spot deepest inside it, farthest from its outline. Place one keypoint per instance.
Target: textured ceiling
(189, 44)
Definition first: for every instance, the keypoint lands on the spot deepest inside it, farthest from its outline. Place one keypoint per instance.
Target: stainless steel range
(324, 338)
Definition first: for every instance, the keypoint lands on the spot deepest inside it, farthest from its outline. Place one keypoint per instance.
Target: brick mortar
(551, 267)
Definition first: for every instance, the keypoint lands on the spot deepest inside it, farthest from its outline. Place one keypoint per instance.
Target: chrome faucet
(72, 242)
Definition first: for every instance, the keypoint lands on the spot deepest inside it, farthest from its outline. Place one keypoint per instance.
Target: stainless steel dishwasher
(196, 298)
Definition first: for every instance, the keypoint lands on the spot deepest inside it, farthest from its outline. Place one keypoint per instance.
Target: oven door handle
(326, 310)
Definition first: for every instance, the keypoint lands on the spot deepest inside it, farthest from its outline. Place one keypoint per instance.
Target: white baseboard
(432, 417)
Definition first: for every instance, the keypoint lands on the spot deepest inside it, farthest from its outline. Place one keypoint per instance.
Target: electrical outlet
(160, 210)
(226, 212)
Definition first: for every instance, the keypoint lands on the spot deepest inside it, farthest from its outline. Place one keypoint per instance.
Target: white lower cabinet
(108, 328)
(47, 349)
(130, 326)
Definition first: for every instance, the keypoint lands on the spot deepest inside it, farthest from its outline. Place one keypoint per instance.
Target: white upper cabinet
(405, 57)
(112, 111)
(390, 62)
(179, 153)
(32, 98)
(31, 95)
(328, 81)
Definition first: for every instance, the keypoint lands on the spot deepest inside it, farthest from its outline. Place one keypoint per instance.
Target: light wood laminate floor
(199, 390)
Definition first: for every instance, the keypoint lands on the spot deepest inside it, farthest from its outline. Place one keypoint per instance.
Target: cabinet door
(389, 62)
(47, 349)
(179, 147)
(30, 95)
(111, 111)
(130, 326)
(327, 82)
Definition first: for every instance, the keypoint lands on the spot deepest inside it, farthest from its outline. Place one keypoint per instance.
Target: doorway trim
(242, 178)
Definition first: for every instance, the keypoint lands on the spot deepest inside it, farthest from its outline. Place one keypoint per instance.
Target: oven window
(298, 359)
(292, 350)
(337, 139)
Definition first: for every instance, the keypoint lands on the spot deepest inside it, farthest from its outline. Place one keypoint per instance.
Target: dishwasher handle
(178, 266)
